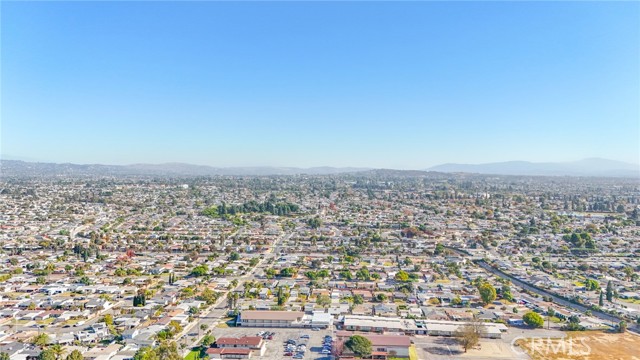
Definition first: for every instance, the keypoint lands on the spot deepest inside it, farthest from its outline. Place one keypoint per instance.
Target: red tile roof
(245, 341)
(228, 351)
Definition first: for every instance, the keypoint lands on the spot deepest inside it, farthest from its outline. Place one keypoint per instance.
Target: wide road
(556, 299)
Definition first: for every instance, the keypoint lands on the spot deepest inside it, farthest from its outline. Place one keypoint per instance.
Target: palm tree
(57, 350)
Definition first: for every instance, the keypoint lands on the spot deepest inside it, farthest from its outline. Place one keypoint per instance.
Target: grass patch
(227, 322)
(71, 322)
(632, 301)
(555, 320)
(192, 355)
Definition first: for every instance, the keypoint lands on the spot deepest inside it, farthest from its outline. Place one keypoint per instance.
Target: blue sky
(397, 85)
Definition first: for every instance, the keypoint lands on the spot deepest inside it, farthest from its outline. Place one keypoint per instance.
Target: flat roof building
(266, 318)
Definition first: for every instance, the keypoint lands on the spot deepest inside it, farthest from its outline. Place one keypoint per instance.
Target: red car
(288, 354)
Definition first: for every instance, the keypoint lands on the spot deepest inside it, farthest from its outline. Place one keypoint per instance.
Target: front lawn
(192, 355)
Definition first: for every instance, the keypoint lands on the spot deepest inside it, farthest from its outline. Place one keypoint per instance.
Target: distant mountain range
(586, 167)
(24, 168)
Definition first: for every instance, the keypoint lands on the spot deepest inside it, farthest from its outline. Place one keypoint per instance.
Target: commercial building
(413, 327)
(378, 324)
(382, 346)
(237, 348)
(283, 319)
(321, 319)
(228, 353)
(449, 328)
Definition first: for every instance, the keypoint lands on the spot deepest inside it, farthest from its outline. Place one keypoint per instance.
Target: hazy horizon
(19, 158)
(307, 84)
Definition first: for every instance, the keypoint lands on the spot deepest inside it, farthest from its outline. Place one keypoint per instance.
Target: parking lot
(276, 346)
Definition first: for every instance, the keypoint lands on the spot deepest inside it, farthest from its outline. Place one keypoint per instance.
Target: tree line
(252, 206)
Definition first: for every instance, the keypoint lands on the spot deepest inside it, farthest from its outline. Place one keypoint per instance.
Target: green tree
(270, 273)
(601, 299)
(311, 275)
(207, 340)
(487, 293)
(609, 292)
(108, 319)
(120, 272)
(75, 355)
(47, 354)
(533, 319)
(234, 256)
(358, 299)
(57, 350)
(551, 312)
(323, 300)
(146, 353)
(402, 276)
(4, 356)
(209, 296)
(363, 274)
(314, 223)
(506, 293)
(41, 339)
(346, 274)
(287, 272)
(591, 285)
(168, 351)
(200, 270)
(174, 327)
(360, 345)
